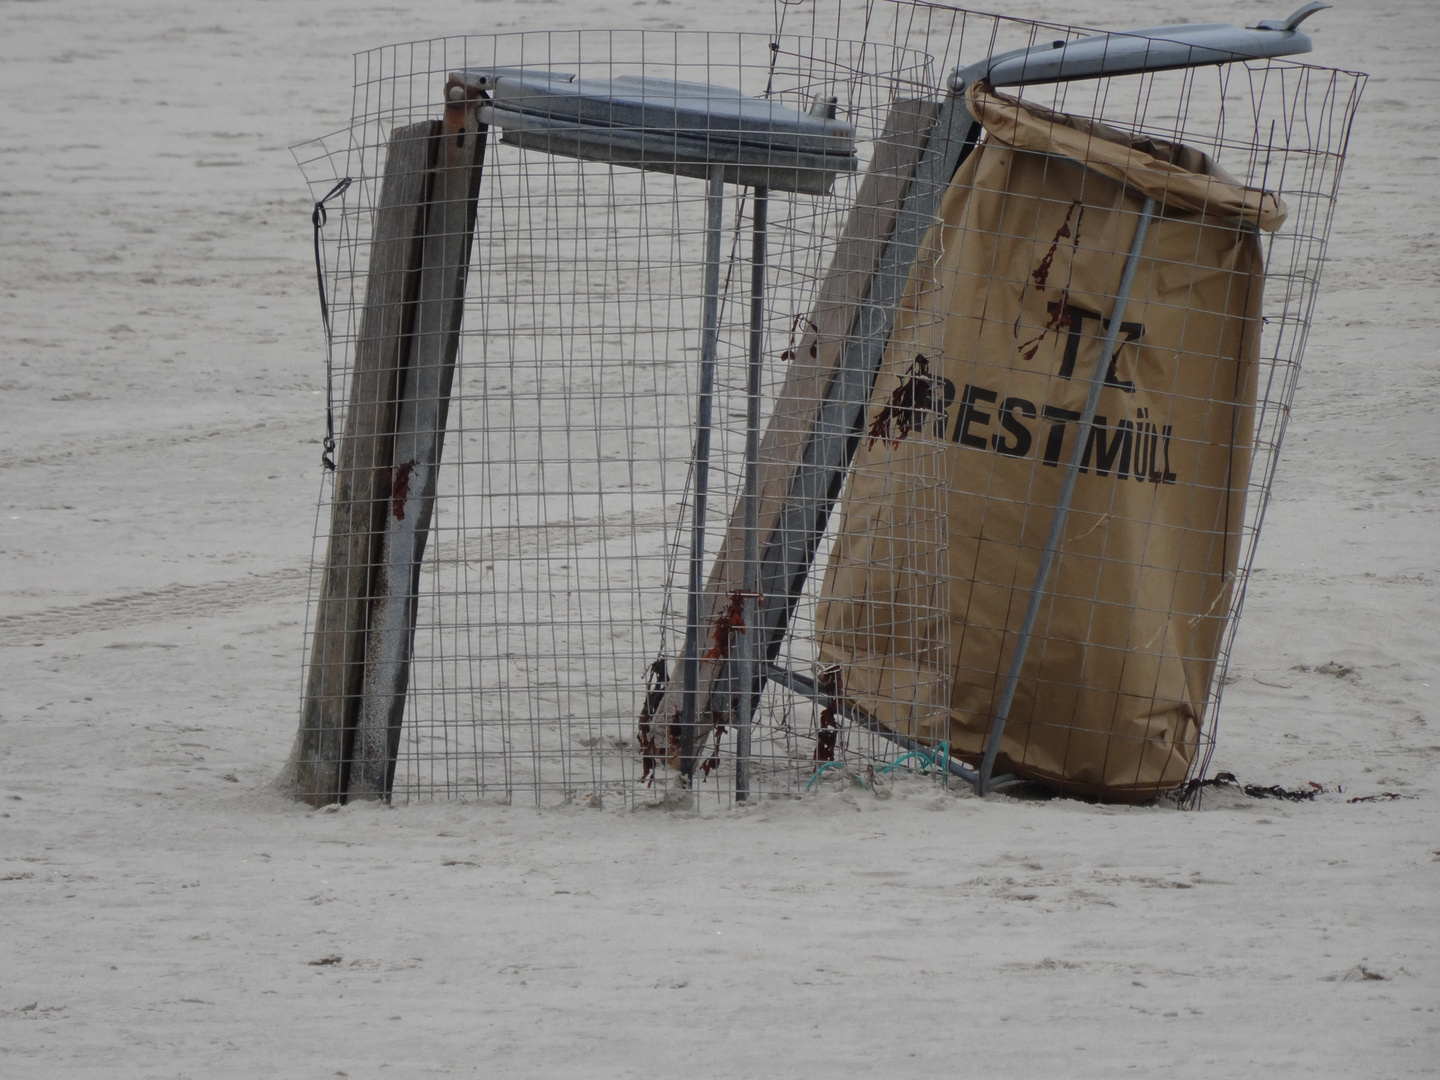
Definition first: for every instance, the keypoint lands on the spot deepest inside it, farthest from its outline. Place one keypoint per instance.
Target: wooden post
(423, 404)
(362, 475)
(812, 369)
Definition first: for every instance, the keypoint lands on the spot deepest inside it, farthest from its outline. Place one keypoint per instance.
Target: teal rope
(829, 765)
(939, 758)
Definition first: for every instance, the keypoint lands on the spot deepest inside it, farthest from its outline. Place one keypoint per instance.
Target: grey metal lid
(1155, 48)
(663, 125)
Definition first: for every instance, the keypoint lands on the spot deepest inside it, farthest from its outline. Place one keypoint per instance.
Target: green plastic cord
(829, 765)
(937, 759)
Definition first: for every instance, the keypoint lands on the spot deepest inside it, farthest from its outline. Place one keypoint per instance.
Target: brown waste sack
(1027, 259)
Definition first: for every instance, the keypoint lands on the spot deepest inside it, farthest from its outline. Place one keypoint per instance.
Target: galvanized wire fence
(515, 597)
(1271, 126)
(552, 594)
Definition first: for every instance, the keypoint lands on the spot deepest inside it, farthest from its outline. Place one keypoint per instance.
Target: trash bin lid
(665, 125)
(1153, 48)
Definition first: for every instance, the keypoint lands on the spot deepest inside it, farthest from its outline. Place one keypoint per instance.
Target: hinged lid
(664, 125)
(1154, 48)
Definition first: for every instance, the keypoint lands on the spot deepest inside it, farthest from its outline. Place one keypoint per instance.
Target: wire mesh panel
(1094, 606)
(803, 406)
(552, 593)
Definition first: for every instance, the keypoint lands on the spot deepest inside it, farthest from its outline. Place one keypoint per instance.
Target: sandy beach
(166, 911)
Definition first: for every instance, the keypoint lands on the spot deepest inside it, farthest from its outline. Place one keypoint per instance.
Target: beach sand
(165, 911)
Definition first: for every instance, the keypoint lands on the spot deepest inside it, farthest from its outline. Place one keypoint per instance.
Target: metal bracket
(1296, 18)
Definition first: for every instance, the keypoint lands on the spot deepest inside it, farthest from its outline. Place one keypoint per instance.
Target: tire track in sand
(175, 601)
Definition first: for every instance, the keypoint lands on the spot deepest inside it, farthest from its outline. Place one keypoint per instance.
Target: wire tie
(318, 217)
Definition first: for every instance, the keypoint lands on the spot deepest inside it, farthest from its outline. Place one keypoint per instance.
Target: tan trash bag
(1009, 315)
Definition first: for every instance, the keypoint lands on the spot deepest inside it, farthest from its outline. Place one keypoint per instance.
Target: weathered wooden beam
(817, 478)
(362, 474)
(423, 405)
(822, 341)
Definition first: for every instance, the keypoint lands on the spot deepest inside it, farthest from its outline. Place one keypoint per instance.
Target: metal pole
(709, 347)
(750, 578)
(1062, 505)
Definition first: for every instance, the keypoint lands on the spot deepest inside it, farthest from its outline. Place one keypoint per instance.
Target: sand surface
(164, 912)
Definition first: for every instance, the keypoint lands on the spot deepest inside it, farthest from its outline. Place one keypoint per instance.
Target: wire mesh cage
(1093, 618)
(551, 600)
(704, 404)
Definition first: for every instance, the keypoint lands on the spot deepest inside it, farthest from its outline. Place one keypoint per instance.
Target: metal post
(1062, 505)
(750, 576)
(709, 347)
